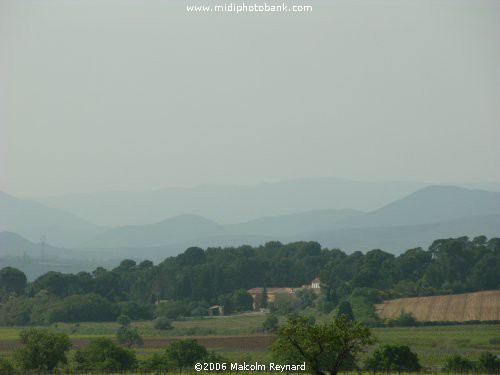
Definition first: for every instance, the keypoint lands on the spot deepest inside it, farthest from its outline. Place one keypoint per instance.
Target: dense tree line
(196, 279)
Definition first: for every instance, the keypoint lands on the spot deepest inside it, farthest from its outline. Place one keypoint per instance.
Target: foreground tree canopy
(325, 347)
(42, 349)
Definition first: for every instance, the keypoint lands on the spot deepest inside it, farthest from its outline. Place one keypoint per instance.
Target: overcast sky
(137, 95)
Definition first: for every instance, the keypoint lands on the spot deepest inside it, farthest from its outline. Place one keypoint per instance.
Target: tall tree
(42, 349)
(324, 347)
(12, 281)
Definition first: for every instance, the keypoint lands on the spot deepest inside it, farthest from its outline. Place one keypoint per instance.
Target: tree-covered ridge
(198, 278)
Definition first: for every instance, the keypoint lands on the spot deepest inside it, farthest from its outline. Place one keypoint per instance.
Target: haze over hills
(33, 220)
(414, 220)
(229, 204)
(431, 204)
(429, 213)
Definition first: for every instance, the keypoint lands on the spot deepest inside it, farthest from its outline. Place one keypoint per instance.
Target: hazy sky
(137, 95)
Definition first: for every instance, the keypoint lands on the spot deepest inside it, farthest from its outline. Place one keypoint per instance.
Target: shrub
(6, 367)
(185, 353)
(173, 309)
(128, 336)
(156, 363)
(393, 358)
(345, 309)
(136, 311)
(238, 301)
(162, 323)
(102, 354)
(42, 350)
(271, 323)
(87, 308)
(285, 304)
(124, 320)
(405, 320)
(458, 363)
(489, 363)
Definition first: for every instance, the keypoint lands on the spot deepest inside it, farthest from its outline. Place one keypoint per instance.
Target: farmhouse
(258, 294)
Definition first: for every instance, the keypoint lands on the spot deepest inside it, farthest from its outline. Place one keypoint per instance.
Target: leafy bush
(489, 363)
(102, 354)
(16, 312)
(42, 349)
(345, 309)
(285, 304)
(458, 363)
(162, 323)
(243, 301)
(393, 358)
(405, 320)
(185, 353)
(128, 336)
(173, 310)
(271, 323)
(325, 306)
(136, 311)
(156, 363)
(87, 308)
(6, 367)
(123, 320)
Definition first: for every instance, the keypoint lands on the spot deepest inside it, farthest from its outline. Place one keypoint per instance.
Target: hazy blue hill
(396, 239)
(285, 225)
(177, 229)
(431, 204)
(32, 220)
(232, 203)
(435, 204)
(14, 244)
(194, 228)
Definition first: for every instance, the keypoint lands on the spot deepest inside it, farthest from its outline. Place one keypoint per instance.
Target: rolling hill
(230, 204)
(432, 204)
(416, 220)
(33, 220)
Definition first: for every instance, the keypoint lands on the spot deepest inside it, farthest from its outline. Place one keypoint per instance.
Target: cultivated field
(457, 307)
(236, 338)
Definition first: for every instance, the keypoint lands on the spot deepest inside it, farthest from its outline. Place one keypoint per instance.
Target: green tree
(489, 363)
(458, 363)
(123, 320)
(271, 324)
(243, 300)
(128, 336)
(345, 309)
(324, 347)
(6, 367)
(185, 353)
(102, 354)
(42, 349)
(12, 281)
(405, 320)
(162, 323)
(393, 358)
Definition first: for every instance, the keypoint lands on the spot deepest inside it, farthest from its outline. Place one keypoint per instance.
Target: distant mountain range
(430, 212)
(414, 220)
(229, 204)
(34, 220)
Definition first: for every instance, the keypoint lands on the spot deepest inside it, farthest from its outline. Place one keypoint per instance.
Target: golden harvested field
(456, 307)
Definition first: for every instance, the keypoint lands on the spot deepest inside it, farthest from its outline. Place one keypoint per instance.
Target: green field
(432, 344)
